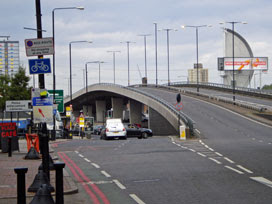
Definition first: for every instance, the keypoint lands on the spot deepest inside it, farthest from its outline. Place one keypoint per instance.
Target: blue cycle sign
(39, 66)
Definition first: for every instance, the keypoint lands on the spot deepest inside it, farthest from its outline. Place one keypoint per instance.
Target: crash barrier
(32, 140)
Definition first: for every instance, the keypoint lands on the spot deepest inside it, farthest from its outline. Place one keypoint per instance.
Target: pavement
(8, 178)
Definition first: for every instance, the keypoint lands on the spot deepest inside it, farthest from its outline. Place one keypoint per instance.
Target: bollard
(45, 150)
(40, 178)
(43, 196)
(59, 182)
(9, 147)
(21, 190)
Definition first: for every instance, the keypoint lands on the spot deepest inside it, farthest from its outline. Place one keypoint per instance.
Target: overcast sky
(109, 22)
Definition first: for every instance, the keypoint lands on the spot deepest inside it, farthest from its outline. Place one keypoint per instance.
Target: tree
(14, 88)
(267, 87)
(4, 89)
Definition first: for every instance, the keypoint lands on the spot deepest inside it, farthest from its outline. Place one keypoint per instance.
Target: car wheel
(144, 135)
(140, 137)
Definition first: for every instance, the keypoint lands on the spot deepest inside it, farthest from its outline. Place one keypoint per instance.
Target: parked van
(114, 129)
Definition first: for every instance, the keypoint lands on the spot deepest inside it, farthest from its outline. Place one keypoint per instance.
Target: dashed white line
(206, 146)
(136, 198)
(95, 165)
(216, 161)
(203, 155)
(87, 160)
(80, 155)
(229, 160)
(269, 143)
(197, 131)
(76, 152)
(119, 184)
(211, 149)
(245, 169)
(235, 170)
(105, 174)
(263, 181)
(192, 150)
(219, 154)
(260, 141)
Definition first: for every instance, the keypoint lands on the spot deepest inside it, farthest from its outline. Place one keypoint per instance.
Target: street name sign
(39, 66)
(39, 46)
(18, 106)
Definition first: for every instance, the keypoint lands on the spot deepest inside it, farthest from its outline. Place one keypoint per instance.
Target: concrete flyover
(163, 118)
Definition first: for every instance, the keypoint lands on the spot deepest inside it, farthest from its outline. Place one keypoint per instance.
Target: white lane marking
(211, 149)
(95, 165)
(105, 174)
(206, 146)
(253, 139)
(80, 155)
(229, 160)
(178, 145)
(87, 160)
(263, 181)
(197, 131)
(119, 184)
(192, 150)
(203, 155)
(260, 141)
(269, 143)
(235, 170)
(219, 154)
(254, 121)
(245, 169)
(76, 152)
(216, 161)
(200, 141)
(136, 198)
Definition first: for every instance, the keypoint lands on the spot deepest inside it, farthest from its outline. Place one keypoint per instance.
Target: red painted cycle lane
(81, 177)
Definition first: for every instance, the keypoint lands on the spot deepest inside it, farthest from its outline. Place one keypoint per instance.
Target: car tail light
(124, 129)
(107, 130)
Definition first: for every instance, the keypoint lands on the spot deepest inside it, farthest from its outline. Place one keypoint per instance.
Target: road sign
(68, 111)
(39, 46)
(81, 120)
(42, 109)
(179, 106)
(58, 99)
(39, 66)
(17, 106)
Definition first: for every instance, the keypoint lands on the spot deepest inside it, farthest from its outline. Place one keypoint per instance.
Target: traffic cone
(51, 164)
(40, 178)
(43, 196)
(32, 154)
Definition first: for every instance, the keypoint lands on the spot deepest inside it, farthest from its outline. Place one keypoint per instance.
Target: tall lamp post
(168, 60)
(144, 35)
(70, 59)
(197, 70)
(54, 75)
(128, 42)
(113, 53)
(156, 52)
(233, 57)
(99, 69)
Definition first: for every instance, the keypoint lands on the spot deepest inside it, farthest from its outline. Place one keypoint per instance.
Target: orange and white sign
(256, 63)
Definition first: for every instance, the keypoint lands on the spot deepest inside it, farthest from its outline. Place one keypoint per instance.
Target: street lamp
(128, 42)
(70, 57)
(156, 53)
(168, 63)
(196, 27)
(54, 75)
(113, 52)
(98, 62)
(144, 35)
(233, 79)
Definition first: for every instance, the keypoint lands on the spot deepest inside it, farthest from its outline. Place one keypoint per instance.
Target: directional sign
(17, 106)
(42, 109)
(58, 99)
(39, 66)
(39, 46)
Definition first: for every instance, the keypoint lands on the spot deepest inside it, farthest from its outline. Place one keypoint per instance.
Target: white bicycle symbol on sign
(39, 66)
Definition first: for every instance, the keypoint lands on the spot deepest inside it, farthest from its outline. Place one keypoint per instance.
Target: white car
(114, 129)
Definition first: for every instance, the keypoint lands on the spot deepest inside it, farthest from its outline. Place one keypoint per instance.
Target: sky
(108, 22)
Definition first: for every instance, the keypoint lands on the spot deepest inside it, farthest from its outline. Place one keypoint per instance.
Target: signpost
(39, 46)
(58, 99)
(39, 66)
(179, 106)
(18, 106)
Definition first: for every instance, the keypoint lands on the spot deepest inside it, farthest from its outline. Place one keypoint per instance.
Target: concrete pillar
(117, 106)
(159, 125)
(100, 110)
(135, 112)
(90, 111)
(85, 110)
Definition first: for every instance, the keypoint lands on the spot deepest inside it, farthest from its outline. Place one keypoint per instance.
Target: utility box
(182, 133)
